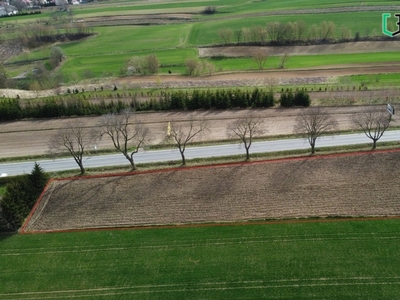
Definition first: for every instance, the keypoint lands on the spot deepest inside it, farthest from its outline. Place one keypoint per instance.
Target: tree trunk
(374, 144)
(81, 167)
(313, 147)
(183, 158)
(131, 161)
(247, 153)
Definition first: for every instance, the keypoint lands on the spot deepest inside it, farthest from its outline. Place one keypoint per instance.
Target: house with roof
(8, 10)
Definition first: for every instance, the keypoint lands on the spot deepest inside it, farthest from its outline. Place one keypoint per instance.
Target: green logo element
(385, 17)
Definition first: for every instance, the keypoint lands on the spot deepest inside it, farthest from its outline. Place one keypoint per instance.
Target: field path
(338, 48)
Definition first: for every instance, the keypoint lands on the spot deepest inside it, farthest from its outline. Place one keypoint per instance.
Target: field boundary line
(233, 164)
(27, 222)
(207, 286)
(198, 225)
(33, 210)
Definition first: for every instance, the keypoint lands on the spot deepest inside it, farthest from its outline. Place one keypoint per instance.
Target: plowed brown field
(344, 185)
(31, 137)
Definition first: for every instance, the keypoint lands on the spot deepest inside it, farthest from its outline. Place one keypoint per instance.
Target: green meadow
(107, 51)
(305, 260)
(305, 61)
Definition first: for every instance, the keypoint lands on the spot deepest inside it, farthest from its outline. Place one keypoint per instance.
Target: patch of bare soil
(338, 48)
(9, 49)
(352, 185)
(137, 19)
(31, 137)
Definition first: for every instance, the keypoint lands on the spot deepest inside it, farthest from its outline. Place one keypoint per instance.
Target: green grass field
(306, 61)
(105, 53)
(322, 260)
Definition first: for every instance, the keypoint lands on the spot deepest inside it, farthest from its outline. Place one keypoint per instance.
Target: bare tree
(238, 34)
(313, 32)
(277, 31)
(374, 122)
(314, 122)
(75, 138)
(19, 4)
(192, 66)
(126, 138)
(246, 129)
(290, 31)
(301, 29)
(226, 35)
(260, 57)
(184, 134)
(246, 32)
(261, 33)
(345, 33)
(152, 63)
(283, 60)
(208, 67)
(56, 57)
(326, 30)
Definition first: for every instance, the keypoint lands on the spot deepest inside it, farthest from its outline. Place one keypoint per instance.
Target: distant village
(14, 7)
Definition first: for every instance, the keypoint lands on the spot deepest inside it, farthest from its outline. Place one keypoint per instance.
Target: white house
(8, 10)
(61, 2)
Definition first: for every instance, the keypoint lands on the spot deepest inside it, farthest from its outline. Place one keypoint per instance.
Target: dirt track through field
(345, 185)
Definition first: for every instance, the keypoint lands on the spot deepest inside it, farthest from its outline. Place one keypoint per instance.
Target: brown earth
(348, 185)
(338, 48)
(31, 137)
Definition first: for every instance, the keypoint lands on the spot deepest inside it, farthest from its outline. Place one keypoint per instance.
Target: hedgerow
(21, 195)
(80, 105)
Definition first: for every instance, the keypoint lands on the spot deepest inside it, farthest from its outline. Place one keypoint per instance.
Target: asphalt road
(53, 165)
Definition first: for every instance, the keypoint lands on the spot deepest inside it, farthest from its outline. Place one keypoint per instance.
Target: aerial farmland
(123, 77)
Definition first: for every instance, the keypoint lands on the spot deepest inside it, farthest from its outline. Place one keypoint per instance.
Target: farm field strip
(201, 243)
(317, 260)
(207, 286)
(100, 52)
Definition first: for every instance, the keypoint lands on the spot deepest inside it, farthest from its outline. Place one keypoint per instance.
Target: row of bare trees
(279, 33)
(141, 65)
(316, 121)
(76, 138)
(128, 135)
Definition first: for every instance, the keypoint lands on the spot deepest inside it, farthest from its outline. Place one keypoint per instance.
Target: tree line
(15, 109)
(20, 196)
(128, 134)
(277, 33)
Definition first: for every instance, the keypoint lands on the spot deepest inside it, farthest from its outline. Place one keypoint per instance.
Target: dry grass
(340, 48)
(349, 185)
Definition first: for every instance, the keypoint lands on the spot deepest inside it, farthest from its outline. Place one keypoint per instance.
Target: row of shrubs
(24, 13)
(14, 109)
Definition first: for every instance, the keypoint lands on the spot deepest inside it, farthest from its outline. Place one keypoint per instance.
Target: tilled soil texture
(345, 185)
